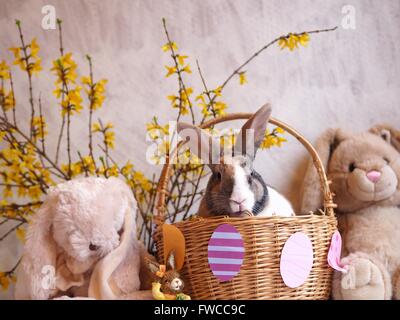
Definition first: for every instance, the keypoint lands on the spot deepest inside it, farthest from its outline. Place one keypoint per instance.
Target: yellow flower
(76, 169)
(279, 130)
(127, 169)
(171, 71)
(181, 59)
(20, 233)
(172, 98)
(65, 69)
(86, 80)
(88, 164)
(100, 85)
(187, 69)
(9, 101)
(140, 179)
(219, 108)
(109, 125)
(16, 51)
(21, 191)
(156, 131)
(109, 138)
(35, 192)
(73, 102)
(201, 98)
(18, 59)
(57, 92)
(35, 67)
(34, 48)
(184, 95)
(97, 94)
(4, 70)
(7, 192)
(113, 171)
(96, 127)
(39, 127)
(272, 139)
(31, 62)
(242, 78)
(169, 46)
(293, 40)
(304, 39)
(4, 281)
(217, 91)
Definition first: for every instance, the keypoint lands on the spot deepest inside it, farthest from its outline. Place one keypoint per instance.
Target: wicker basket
(264, 237)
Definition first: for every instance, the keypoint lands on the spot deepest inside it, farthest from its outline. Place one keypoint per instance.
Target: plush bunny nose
(374, 176)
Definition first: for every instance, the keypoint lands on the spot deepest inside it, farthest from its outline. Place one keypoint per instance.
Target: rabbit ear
(37, 270)
(171, 260)
(311, 195)
(200, 143)
(153, 266)
(388, 133)
(252, 133)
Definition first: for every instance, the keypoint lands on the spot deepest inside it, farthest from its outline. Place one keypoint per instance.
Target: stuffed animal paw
(363, 281)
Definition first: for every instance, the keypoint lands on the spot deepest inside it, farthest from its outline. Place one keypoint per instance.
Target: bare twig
(13, 95)
(41, 129)
(91, 98)
(28, 140)
(11, 230)
(179, 73)
(257, 53)
(64, 89)
(28, 72)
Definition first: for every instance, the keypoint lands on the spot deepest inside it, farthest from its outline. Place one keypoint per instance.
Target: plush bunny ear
(388, 133)
(311, 194)
(101, 286)
(252, 133)
(200, 142)
(36, 274)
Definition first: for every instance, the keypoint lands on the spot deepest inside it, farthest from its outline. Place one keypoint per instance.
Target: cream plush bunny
(365, 173)
(82, 243)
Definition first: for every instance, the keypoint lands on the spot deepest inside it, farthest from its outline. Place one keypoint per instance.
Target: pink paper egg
(225, 252)
(296, 260)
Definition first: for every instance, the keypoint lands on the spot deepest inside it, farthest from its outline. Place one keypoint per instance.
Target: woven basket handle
(162, 191)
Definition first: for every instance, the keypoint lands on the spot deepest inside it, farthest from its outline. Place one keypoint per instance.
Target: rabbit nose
(374, 176)
(237, 202)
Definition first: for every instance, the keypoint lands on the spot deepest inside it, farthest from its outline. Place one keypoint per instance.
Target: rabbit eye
(352, 167)
(93, 247)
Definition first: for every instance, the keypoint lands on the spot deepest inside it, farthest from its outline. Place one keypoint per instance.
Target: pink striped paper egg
(225, 252)
(296, 260)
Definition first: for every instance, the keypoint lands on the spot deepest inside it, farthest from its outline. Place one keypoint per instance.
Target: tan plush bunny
(82, 243)
(365, 172)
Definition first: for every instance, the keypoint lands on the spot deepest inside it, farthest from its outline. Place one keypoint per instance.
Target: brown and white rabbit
(235, 187)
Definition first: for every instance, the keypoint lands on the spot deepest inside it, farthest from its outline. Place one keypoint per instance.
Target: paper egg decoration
(296, 260)
(335, 251)
(225, 252)
(174, 241)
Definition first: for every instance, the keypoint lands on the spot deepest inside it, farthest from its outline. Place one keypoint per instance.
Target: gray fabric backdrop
(348, 78)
